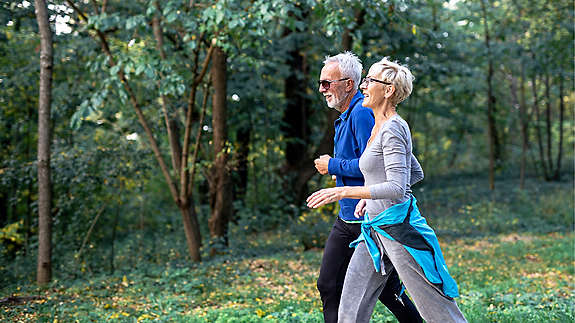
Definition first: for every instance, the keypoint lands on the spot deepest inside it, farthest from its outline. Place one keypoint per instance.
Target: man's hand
(321, 164)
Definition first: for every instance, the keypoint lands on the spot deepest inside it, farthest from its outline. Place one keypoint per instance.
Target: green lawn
(513, 262)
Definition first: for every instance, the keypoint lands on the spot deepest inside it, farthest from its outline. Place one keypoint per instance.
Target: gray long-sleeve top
(389, 166)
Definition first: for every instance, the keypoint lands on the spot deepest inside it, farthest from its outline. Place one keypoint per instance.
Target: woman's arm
(416, 171)
(330, 195)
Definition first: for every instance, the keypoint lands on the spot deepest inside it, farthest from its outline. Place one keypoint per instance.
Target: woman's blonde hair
(396, 74)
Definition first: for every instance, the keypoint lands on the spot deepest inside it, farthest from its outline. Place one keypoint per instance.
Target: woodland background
(156, 160)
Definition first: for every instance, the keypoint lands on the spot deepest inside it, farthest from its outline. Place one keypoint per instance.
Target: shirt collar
(358, 96)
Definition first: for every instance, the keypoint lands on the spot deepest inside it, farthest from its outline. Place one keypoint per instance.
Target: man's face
(335, 94)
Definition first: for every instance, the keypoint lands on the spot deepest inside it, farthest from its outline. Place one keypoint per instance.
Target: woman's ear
(389, 90)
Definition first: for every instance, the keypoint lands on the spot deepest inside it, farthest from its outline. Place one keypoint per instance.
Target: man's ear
(349, 85)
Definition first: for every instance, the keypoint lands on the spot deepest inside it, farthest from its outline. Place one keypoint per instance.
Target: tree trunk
(3, 210)
(548, 123)
(524, 128)
(492, 129)
(28, 218)
(538, 126)
(243, 151)
(44, 269)
(220, 190)
(557, 175)
(191, 230)
(296, 128)
(114, 230)
(347, 37)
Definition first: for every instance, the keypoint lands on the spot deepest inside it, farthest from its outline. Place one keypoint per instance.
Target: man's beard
(337, 105)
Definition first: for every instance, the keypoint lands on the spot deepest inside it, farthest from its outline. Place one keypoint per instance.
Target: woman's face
(373, 92)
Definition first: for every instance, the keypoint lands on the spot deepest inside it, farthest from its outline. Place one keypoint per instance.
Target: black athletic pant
(336, 257)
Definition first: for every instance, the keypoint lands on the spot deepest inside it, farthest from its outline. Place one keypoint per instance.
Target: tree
(44, 271)
(220, 190)
(491, 108)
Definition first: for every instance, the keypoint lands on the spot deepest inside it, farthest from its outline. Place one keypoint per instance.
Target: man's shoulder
(359, 110)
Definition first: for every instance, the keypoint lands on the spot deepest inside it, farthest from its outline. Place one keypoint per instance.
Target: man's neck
(347, 101)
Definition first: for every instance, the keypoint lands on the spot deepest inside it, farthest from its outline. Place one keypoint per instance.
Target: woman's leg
(432, 304)
(361, 287)
(403, 308)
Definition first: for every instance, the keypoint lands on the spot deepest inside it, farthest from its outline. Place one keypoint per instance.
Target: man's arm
(362, 123)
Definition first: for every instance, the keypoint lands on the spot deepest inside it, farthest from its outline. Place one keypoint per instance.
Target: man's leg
(404, 310)
(336, 256)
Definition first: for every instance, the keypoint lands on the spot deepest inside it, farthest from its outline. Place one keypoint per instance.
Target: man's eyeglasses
(368, 79)
(325, 84)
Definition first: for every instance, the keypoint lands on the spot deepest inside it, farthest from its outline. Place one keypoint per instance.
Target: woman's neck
(384, 113)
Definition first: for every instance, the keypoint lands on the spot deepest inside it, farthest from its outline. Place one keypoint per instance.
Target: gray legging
(363, 284)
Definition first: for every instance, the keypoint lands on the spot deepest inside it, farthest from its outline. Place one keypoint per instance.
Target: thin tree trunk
(243, 151)
(347, 37)
(524, 128)
(538, 126)
(557, 175)
(548, 123)
(112, 249)
(44, 270)
(171, 124)
(220, 193)
(492, 131)
(456, 152)
(28, 219)
(516, 104)
(3, 210)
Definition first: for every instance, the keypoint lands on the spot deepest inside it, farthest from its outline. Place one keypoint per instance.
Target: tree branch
(173, 139)
(185, 149)
(134, 101)
(198, 136)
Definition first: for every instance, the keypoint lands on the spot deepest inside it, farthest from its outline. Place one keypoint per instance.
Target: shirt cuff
(332, 166)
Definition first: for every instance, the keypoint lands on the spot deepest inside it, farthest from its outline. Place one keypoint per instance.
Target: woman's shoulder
(395, 127)
(396, 122)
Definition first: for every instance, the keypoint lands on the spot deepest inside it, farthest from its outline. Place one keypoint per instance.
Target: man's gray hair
(349, 66)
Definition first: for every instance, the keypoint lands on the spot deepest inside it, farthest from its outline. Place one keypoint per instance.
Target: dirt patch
(514, 237)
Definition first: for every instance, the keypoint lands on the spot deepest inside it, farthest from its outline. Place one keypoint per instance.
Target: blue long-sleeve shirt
(352, 131)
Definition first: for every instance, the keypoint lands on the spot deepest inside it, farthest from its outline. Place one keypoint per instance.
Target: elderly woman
(393, 224)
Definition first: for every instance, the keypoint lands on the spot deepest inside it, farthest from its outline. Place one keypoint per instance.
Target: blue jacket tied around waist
(405, 224)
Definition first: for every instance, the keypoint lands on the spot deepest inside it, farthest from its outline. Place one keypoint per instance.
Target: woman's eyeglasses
(368, 79)
(325, 84)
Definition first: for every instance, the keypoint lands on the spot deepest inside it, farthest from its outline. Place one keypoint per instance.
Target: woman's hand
(359, 209)
(325, 196)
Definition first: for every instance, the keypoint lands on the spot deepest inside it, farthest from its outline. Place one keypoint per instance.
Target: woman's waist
(375, 207)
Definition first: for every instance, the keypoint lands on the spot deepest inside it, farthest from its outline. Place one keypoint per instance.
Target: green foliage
(134, 263)
(11, 238)
(312, 227)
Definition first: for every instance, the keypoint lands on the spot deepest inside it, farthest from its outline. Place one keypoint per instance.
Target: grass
(510, 252)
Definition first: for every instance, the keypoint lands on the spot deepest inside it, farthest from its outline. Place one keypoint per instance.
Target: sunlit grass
(511, 254)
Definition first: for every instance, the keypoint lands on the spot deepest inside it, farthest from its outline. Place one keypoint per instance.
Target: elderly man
(339, 81)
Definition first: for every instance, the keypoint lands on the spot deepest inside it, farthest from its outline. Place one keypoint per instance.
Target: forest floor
(511, 253)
